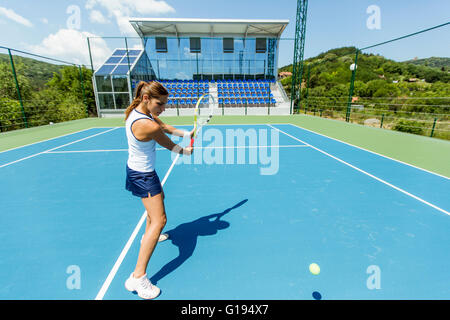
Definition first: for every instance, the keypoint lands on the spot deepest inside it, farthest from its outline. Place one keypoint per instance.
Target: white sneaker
(144, 288)
(162, 237)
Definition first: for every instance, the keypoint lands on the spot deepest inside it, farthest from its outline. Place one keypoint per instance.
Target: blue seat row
(243, 85)
(248, 101)
(183, 81)
(243, 95)
(184, 95)
(246, 80)
(244, 91)
(198, 90)
(186, 85)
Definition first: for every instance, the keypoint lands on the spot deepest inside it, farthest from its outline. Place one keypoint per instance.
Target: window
(122, 100)
(228, 45)
(161, 44)
(106, 101)
(103, 83)
(120, 83)
(261, 45)
(195, 45)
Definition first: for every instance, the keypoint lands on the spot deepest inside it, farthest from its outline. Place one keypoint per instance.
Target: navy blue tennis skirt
(143, 183)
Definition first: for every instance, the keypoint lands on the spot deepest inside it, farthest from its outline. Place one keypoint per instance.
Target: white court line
(352, 145)
(130, 241)
(366, 173)
(209, 147)
(49, 150)
(64, 135)
(378, 154)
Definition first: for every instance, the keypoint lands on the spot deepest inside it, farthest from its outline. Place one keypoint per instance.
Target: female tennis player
(144, 129)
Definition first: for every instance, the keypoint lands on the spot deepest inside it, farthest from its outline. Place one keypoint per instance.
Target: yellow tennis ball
(314, 268)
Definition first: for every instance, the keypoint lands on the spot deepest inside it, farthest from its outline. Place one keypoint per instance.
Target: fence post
(18, 88)
(82, 89)
(434, 125)
(307, 88)
(352, 86)
(90, 54)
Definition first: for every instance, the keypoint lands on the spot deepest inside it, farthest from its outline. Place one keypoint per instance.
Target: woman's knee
(158, 220)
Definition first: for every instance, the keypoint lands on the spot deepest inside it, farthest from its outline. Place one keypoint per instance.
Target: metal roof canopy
(119, 63)
(176, 27)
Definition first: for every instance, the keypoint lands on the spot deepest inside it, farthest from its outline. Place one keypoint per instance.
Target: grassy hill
(434, 62)
(38, 72)
(331, 69)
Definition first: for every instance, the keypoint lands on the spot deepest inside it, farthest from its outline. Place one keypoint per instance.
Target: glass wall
(218, 58)
(112, 79)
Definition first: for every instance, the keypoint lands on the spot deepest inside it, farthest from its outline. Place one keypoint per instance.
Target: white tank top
(141, 155)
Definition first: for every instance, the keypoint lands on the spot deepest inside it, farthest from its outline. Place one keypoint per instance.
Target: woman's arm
(167, 128)
(147, 130)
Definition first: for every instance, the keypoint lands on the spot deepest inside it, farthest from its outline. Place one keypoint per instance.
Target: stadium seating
(230, 93)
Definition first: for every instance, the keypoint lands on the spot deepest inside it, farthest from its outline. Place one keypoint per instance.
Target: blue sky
(49, 28)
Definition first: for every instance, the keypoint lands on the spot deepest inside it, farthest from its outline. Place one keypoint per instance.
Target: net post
(382, 120)
(178, 108)
(17, 88)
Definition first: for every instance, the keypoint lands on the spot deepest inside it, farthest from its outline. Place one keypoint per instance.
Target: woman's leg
(156, 220)
(148, 217)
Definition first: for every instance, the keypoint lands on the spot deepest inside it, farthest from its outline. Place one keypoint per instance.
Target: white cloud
(10, 14)
(122, 10)
(71, 46)
(44, 20)
(97, 17)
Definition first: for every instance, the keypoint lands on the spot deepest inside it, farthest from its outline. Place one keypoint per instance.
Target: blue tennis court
(245, 220)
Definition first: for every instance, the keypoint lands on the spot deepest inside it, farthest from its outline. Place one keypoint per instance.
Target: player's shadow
(185, 237)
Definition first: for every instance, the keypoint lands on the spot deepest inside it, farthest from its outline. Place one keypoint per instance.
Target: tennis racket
(203, 113)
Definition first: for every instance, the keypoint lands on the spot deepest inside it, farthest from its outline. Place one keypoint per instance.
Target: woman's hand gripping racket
(203, 113)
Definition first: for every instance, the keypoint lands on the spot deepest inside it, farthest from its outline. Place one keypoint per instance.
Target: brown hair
(153, 89)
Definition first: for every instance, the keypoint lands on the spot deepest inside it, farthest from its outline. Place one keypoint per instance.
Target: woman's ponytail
(137, 99)
(153, 89)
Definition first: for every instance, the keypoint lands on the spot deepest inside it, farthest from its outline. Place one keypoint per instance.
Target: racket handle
(192, 142)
